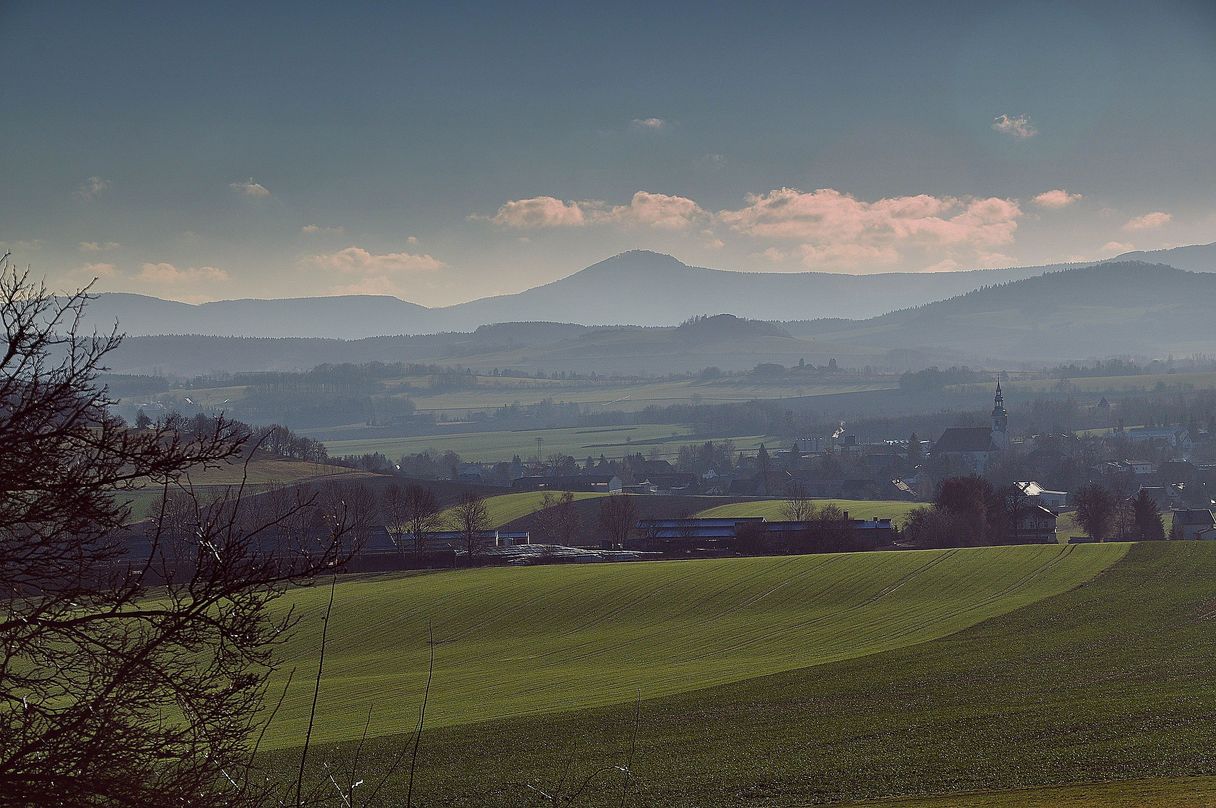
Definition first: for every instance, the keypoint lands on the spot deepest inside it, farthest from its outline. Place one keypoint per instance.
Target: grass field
(506, 508)
(771, 509)
(1174, 792)
(579, 442)
(1110, 681)
(515, 642)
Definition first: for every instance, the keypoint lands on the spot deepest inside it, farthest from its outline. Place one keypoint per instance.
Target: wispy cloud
(1016, 126)
(170, 275)
(98, 246)
(1149, 221)
(250, 188)
(323, 230)
(1058, 198)
(1116, 247)
(96, 270)
(649, 124)
(357, 259)
(91, 188)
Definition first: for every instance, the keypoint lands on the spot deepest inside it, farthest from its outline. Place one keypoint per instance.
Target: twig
(430, 672)
(316, 690)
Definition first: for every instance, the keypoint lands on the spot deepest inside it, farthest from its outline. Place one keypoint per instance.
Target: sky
(450, 151)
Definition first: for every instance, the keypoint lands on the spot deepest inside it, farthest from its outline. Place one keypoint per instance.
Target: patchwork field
(771, 509)
(579, 442)
(516, 642)
(1101, 695)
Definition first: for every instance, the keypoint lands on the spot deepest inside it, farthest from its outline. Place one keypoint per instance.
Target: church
(975, 448)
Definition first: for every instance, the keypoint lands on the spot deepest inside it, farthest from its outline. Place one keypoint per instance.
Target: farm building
(757, 534)
(1051, 499)
(1036, 525)
(1195, 523)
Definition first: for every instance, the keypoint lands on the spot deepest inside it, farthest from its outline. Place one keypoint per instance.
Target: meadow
(578, 442)
(512, 642)
(1109, 681)
(773, 509)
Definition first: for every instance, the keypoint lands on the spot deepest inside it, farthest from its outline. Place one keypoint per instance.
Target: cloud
(1016, 126)
(1117, 247)
(841, 230)
(250, 188)
(539, 212)
(1149, 221)
(411, 240)
(1058, 198)
(98, 246)
(91, 188)
(660, 211)
(356, 259)
(21, 245)
(323, 230)
(168, 274)
(645, 209)
(649, 124)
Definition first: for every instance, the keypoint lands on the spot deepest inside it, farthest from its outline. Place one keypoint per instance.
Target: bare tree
(133, 662)
(565, 519)
(798, 505)
(471, 517)
(618, 515)
(423, 515)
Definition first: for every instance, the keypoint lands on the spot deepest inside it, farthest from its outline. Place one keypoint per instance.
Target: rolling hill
(524, 641)
(1111, 309)
(1106, 688)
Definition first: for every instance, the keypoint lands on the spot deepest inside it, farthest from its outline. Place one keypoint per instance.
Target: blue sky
(451, 151)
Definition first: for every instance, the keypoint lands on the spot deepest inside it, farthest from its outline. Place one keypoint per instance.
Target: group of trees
(969, 512)
(413, 513)
(1103, 514)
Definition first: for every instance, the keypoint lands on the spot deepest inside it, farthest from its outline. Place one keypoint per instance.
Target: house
(1050, 499)
(1169, 437)
(602, 483)
(975, 448)
(1036, 525)
(1195, 523)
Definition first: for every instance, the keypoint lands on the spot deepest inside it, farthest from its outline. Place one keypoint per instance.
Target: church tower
(1000, 420)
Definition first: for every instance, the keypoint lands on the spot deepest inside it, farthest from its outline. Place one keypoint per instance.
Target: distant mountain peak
(636, 261)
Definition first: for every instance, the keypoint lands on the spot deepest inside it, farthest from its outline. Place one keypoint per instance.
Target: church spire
(1000, 419)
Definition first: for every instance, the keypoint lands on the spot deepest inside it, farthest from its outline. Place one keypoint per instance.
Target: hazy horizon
(447, 154)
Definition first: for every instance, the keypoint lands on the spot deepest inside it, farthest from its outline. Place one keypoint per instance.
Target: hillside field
(512, 642)
(579, 442)
(771, 509)
(1105, 690)
(506, 508)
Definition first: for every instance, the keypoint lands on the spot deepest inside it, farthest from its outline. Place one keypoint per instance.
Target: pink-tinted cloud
(97, 270)
(1016, 126)
(539, 212)
(98, 246)
(1058, 198)
(660, 211)
(1149, 221)
(168, 274)
(1117, 247)
(645, 209)
(841, 230)
(356, 259)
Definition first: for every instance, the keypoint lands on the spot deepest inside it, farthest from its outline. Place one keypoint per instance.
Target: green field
(516, 642)
(771, 509)
(1110, 682)
(509, 507)
(579, 442)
